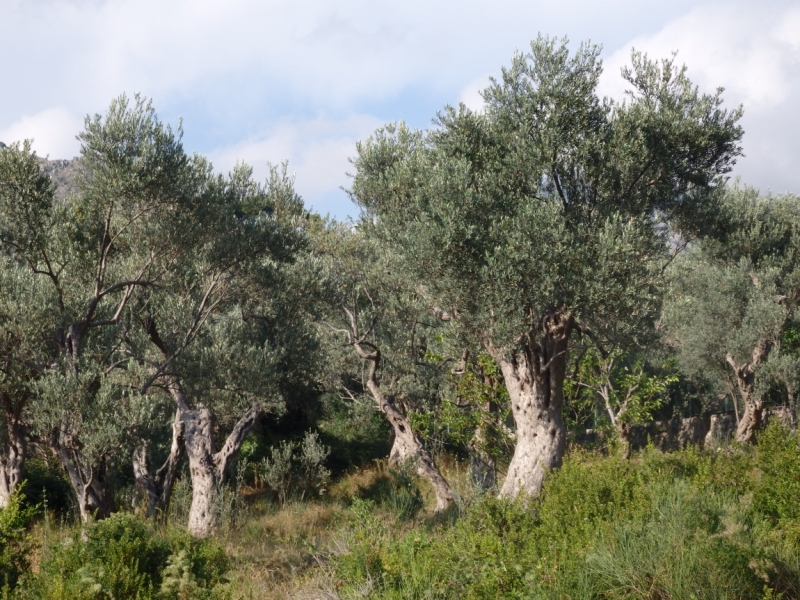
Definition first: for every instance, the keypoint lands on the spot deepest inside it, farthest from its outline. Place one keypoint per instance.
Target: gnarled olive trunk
(752, 419)
(12, 461)
(90, 482)
(157, 488)
(624, 435)
(408, 447)
(207, 467)
(534, 378)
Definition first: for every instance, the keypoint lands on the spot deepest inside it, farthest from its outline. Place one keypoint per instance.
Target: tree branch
(234, 441)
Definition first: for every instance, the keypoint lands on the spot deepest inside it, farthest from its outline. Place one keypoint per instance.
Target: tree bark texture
(624, 434)
(157, 488)
(534, 378)
(407, 445)
(90, 482)
(751, 420)
(207, 466)
(12, 461)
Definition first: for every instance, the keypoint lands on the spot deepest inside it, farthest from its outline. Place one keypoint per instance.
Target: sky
(263, 81)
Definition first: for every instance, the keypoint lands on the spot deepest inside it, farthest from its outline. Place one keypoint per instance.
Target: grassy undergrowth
(705, 525)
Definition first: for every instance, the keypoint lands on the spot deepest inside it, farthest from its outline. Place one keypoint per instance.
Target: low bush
(690, 524)
(123, 557)
(16, 544)
(296, 467)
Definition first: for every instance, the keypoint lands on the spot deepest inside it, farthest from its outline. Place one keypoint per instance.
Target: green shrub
(122, 557)
(48, 485)
(15, 543)
(689, 524)
(296, 466)
(681, 549)
(777, 491)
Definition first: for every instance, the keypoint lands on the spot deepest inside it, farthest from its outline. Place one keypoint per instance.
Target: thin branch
(558, 188)
(676, 251)
(204, 310)
(105, 246)
(638, 177)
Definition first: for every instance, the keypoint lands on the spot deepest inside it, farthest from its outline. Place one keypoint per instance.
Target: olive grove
(553, 263)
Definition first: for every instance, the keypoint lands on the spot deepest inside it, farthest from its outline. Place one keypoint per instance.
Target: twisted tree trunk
(752, 419)
(534, 378)
(407, 446)
(158, 488)
(207, 467)
(90, 482)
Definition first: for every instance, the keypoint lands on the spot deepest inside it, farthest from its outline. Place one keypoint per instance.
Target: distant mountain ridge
(62, 172)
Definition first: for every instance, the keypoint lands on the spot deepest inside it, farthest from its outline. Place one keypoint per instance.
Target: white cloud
(52, 131)
(753, 51)
(245, 66)
(317, 151)
(471, 93)
(324, 51)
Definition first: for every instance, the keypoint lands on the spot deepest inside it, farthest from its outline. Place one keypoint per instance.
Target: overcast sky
(268, 80)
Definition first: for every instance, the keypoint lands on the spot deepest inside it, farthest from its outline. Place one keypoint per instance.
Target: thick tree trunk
(624, 434)
(207, 467)
(90, 483)
(157, 488)
(13, 461)
(751, 421)
(534, 379)
(752, 418)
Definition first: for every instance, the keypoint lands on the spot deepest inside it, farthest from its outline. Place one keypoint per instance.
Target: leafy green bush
(15, 543)
(123, 557)
(296, 466)
(47, 484)
(683, 548)
(688, 524)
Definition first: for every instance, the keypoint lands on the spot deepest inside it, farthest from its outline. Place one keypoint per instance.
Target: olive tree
(25, 308)
(734, 301)
(143, 268)
(389, 337)
(549, 214)
(224, 337)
